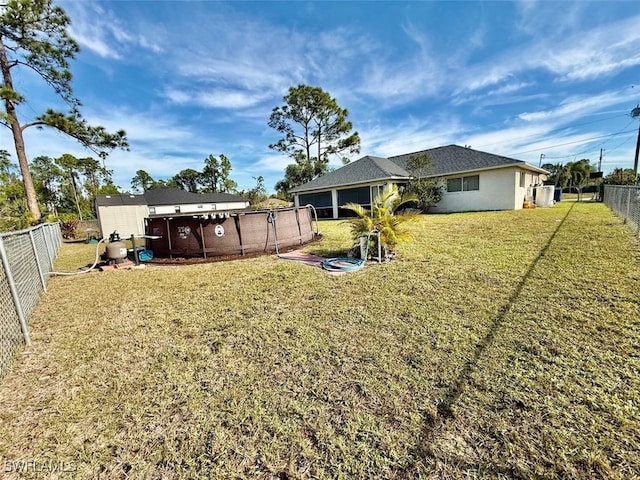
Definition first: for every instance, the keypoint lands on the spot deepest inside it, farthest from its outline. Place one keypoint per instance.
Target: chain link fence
(27, 259)
(625, 201)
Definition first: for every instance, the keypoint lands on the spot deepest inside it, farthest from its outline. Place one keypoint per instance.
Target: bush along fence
(625, 201)
(27, 259)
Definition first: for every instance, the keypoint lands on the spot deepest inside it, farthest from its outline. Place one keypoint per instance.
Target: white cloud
(576, 107)
(98, 29)
(412, 135)
(215, 98)
(570, 54)
(272, 163)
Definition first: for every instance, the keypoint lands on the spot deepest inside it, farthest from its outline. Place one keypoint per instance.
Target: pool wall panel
(236, 233)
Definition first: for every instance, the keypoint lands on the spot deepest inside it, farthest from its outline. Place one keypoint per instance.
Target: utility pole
(600, 162)
(540, 162)
(634, 114)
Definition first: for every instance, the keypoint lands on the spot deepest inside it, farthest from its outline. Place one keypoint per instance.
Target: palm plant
(386, 216)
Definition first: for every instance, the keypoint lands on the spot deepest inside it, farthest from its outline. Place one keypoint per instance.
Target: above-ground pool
(215, 234)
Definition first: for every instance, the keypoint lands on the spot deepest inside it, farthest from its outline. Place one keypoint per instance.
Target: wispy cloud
(216, 98)
(272, 163)
(577, 107)
(605, 50)
(569, 54)
(99, 30)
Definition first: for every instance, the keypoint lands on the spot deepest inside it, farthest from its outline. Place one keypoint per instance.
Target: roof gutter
(342, 186)
(523, 165)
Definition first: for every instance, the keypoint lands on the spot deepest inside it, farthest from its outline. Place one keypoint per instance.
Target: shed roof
(364, 170)
(113, 200)
(166, 196)
(176, 196)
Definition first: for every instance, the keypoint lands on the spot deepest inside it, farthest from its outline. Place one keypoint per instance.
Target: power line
(618, 146)
(550, 131)
(572, 143)
(601, 145)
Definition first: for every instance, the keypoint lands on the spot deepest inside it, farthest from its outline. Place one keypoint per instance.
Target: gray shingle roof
(166, 196)
(119, 199)
(175, 196)
(448, 160)
(453, 159)
(363, 170)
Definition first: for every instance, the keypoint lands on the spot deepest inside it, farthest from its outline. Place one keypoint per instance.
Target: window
(471, 183)
(522, 180)
(463, 184)
(360, 195)
(454, 185)
(376, 190)
(322, 199)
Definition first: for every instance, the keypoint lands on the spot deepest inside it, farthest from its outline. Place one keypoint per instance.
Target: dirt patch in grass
(498, 345)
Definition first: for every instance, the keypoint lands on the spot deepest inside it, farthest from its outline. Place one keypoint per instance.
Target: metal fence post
(37, 258)
(14, 293)
(48, 242)
(626, 215)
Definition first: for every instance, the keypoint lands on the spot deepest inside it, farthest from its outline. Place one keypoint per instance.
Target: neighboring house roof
(445, 161)
(118, 199)
(453, 159)
(364, 170)
(166, 196)
(175, 196)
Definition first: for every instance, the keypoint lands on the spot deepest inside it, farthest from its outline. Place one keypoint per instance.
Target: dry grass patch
(498, 344)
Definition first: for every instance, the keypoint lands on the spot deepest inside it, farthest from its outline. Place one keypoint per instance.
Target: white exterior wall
(530, 179)
(196, 208)
(127, 220)
(498, 191)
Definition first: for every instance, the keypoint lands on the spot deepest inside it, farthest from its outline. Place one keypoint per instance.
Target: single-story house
(473, 181)
(125, 213)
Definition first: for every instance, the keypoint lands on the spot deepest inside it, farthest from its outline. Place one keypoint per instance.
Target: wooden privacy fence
(27, 259)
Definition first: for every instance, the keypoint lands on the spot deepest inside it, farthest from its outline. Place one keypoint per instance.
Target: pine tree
(33, 35)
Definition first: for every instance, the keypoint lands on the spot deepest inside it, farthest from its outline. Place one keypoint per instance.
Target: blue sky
(188, 79)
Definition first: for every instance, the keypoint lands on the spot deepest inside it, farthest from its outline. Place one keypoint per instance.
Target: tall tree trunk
(18, 140)
(319, 145)
(75, 193)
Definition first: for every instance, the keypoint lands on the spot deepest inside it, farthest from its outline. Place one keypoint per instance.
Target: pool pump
(116, 250)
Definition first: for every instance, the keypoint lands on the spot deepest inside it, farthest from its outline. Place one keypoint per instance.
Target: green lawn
(497, 345)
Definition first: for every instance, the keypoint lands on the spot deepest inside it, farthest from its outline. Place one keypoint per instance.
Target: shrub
(382, 218)
(70, 228)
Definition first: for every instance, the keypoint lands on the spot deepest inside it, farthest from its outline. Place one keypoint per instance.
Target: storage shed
(126, 213)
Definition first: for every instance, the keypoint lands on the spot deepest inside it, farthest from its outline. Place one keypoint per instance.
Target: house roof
(117, 199)
(453, 159)
(364, 170)
(445, 161)
(175, 196)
